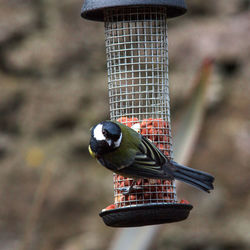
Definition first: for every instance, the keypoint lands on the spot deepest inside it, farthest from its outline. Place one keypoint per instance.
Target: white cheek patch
(109, 142)
(98, 133)
(118, 142)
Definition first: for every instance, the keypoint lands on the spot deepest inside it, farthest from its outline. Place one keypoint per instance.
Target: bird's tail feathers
(199, 179)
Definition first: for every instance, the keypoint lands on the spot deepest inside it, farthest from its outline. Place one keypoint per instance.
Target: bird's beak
(91, 152)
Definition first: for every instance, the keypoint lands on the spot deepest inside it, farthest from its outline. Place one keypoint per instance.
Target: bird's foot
(129, 190)
(125, 190)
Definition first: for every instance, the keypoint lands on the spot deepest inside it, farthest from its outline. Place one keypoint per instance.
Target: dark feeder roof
(94, 9)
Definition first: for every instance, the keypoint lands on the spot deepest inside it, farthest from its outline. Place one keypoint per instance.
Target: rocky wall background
(53, 89)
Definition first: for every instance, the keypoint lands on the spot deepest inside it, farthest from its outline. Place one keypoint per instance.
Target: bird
(126, 152)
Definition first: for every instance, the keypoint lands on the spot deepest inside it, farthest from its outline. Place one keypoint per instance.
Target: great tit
(126, 152)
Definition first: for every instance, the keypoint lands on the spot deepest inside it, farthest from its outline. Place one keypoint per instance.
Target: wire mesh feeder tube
(138, 89)
(137, 63)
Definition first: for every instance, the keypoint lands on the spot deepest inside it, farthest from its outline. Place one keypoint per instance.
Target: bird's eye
(104, 132)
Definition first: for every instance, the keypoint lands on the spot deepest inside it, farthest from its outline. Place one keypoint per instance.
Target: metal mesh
(137, 62)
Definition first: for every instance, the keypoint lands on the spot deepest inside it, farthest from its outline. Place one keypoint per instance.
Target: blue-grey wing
(149, 162)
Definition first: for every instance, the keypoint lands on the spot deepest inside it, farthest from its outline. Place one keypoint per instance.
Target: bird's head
(105, 138)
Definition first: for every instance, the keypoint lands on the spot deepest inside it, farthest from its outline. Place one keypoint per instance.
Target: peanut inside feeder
(146, 191)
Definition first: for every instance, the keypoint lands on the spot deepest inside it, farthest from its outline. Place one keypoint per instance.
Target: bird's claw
(128, 190)
(125, 190)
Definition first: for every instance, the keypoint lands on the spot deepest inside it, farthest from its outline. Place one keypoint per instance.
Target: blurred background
(53, 88)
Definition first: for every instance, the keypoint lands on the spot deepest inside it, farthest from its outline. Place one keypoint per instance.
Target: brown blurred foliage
(53, 88)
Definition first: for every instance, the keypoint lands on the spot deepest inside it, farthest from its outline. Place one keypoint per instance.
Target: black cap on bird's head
(105, 137)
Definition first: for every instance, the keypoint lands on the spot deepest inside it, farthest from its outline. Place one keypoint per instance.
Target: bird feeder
(137, 64)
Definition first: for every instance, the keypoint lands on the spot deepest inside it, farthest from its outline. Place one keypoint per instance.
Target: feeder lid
(94, 9)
